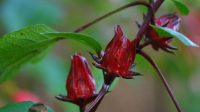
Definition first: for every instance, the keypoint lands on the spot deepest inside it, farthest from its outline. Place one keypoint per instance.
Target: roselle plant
(116, 60)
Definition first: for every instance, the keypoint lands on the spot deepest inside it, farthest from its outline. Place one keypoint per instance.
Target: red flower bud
(119, 55)
(80, 84)
(158, 42)
(170, 21)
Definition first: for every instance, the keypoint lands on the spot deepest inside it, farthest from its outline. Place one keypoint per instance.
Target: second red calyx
(119, 56)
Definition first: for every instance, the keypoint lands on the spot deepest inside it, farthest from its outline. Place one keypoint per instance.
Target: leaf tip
(184, 10)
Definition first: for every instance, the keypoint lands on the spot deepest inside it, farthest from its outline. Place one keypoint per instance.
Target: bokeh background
(46, 77)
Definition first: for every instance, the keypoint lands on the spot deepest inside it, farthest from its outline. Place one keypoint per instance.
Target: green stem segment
(164, 81)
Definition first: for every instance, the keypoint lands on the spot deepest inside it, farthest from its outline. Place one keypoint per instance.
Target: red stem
(135, 3)
(108, 79)
(148, 19)
(164, 81)
(94, 105)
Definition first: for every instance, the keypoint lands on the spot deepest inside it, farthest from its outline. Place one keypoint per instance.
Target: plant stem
(82, 108)
(109, 78)
(144, 45)
(135, 3)
(94, 105)
(164, 81)
(148, 18)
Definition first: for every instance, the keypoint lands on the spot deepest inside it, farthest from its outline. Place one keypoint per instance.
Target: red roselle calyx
(119, 56)
(170, 21)
(80, 83)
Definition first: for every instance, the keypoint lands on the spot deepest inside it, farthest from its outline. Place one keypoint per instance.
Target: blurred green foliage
(19, 13)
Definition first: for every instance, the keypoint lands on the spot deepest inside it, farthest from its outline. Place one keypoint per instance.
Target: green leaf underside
(166, 32)
(181, 7)
(19, 47)
(19, 107)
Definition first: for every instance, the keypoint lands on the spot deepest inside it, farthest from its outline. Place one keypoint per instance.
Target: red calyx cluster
(169, 21)
(118, 58)
(116, 61)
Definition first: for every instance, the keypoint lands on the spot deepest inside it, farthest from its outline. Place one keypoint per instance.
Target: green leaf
(181, 7)
(19, 47)
(85, 39)
(22, 107)
(166, 32)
